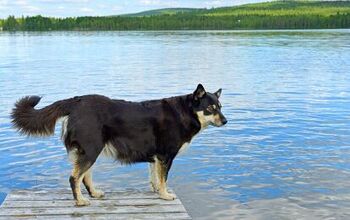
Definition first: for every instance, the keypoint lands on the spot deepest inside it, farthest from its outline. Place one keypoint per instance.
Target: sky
(68, 8)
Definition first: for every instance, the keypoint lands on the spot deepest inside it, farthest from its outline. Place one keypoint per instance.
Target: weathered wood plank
(55, 196)
(59, 204)
(91, 210)
(69, 191)
(147, 216)
(94, 203)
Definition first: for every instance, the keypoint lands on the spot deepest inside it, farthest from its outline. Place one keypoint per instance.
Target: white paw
(97, 194)
(167, 196)
(82, 202)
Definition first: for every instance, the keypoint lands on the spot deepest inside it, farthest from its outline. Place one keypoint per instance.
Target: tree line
(170, 22)
(273, 15)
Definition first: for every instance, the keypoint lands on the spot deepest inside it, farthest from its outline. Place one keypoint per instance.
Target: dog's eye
(210, 108)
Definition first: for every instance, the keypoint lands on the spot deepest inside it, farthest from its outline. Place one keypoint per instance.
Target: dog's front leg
(162, 170)
(153, 180)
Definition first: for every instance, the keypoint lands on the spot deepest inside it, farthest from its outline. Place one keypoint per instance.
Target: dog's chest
(184, 147)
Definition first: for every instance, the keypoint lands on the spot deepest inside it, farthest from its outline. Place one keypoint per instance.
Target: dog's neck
(182, 107)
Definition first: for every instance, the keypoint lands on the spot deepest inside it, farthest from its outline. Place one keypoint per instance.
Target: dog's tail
(37, 122)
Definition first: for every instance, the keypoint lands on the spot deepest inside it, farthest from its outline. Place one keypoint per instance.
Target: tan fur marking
(72, 156)
(80, 200)
(160, 172)
(217, 120)
(153, 179)
(184, 147)
(95, 193)
(78, 177)
(206, 120)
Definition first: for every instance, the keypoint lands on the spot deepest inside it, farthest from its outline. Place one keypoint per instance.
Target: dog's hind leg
(87, 180)
(83, 159)
(80, 167)
(162, 168)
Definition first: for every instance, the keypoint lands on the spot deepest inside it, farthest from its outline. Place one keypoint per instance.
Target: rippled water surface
(284, 154)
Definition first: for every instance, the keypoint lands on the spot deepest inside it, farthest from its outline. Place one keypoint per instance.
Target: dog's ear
(199, 92)
(218, 93)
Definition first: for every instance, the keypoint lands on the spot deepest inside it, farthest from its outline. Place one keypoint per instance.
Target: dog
(153, 131)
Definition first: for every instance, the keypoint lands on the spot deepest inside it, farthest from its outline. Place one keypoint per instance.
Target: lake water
(284, 154)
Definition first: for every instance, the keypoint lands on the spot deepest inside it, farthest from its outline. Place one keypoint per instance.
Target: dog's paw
(167, 196)
(97, 194)
(82, 202)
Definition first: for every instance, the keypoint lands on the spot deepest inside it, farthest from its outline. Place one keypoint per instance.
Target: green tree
(11, 24)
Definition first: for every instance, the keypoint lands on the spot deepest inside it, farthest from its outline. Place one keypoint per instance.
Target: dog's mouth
(219, 123)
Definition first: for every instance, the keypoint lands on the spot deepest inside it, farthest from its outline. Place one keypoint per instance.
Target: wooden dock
(121, 204)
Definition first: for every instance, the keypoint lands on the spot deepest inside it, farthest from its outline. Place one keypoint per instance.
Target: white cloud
(63, 1)
(149, 2)
(26, 6)
(76, 1)
(3, 4)
(47, 1)
(21, 2)
(31, 8)
(102, 6)
(87, 10)
(117, 8)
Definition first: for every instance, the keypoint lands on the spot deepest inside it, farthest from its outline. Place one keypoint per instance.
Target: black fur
(30, 121)
(138, 130)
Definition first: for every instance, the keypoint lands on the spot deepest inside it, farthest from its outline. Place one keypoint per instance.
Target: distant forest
(269, 15)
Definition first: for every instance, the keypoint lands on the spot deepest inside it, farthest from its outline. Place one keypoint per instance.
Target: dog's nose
(224, 121)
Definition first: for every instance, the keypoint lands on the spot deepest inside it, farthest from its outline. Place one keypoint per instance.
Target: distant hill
(284, 8)
(269, 15)
(290, 7)
(163, 11)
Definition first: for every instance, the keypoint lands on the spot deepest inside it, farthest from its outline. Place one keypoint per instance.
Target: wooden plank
(147, 216)
(94, 203)
(91, 210)
(59, 204)
(69, 191)
(55, 196)
(5, 200)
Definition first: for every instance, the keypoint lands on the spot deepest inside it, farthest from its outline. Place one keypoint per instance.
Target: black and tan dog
(149, 131)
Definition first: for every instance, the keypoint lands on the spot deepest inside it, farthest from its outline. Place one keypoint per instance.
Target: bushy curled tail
(37, 122)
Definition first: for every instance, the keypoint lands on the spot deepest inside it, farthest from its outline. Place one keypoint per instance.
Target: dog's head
(207, 107)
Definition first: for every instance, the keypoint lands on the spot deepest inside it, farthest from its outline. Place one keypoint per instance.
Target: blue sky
(64, 8)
